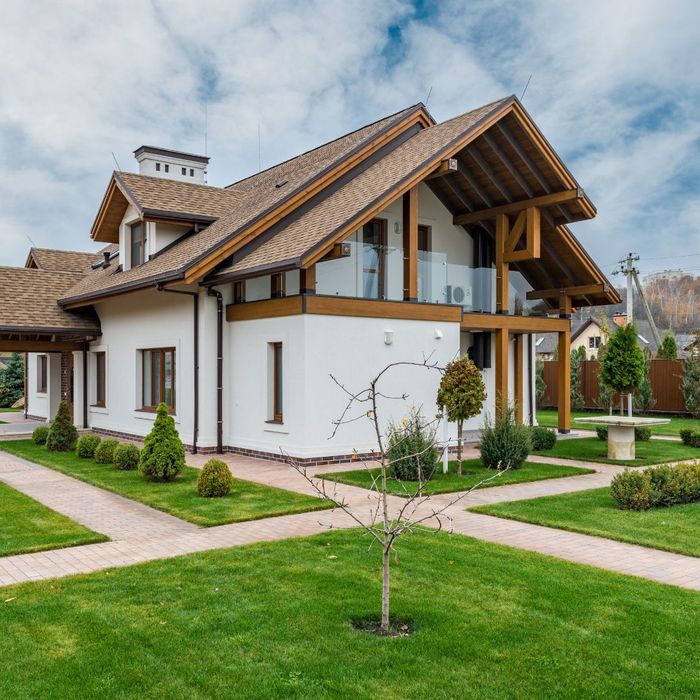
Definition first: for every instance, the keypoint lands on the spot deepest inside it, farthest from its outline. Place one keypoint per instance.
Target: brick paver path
(140, 533)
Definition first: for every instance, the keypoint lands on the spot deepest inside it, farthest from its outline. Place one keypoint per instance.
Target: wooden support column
(519, 379)
(564, 382)
(410, 245)
(501, 339)
(502, 230)
(307, 280)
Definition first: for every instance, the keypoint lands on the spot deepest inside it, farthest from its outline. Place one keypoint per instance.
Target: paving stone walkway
(139, 533)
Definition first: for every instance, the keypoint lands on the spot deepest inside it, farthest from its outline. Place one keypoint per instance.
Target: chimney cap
(155, 150)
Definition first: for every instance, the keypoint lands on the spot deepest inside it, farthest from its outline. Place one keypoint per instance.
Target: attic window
(281, 183)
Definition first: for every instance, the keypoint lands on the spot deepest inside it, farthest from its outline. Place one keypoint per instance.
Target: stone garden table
(621, 432)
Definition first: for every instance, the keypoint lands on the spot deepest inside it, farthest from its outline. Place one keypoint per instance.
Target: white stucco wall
(44, 404)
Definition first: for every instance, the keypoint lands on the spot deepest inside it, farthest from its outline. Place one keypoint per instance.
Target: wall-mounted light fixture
(388, 337)
(397, 227)
(438, 334)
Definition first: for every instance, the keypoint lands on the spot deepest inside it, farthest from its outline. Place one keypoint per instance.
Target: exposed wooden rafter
(555, 293)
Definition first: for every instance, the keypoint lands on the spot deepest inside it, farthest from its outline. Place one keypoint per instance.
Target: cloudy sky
(614, 87)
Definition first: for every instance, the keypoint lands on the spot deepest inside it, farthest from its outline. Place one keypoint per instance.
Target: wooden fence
(665, 377)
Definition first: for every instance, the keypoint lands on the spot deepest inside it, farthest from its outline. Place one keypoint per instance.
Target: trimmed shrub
(689, 437)
(602, 432)
(656, 487)
(163, 456)
(104, 453)
(505, 444)
(126, 457)
(690, 384)
(642, 434)
(410, 450)
(542, 438)
(63, 434)
(40, 435)
(215, 480)
(87, 444)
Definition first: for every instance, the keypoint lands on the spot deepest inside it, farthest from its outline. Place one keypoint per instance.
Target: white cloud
(613, 88)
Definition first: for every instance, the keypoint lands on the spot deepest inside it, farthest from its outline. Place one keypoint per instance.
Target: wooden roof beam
(446, 167)
(513, 207)
(556, 292)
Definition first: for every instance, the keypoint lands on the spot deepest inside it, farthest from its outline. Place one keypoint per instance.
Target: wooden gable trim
(116, 196)
(206, 264)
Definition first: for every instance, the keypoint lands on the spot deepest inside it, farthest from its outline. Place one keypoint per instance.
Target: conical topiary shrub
(62, 434)
(163, 455)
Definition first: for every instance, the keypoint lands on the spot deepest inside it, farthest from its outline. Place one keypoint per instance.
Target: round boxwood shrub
(631, 490)
(543, 438)
(163, 456)
(40, 435)
(104, 454)
(410, 450)
(215, 480)
(87, 444)
(602, 432)
(63, 434)
(505, 444)
(689, 437)
(656, 487)
(642, 434)
(126, 457)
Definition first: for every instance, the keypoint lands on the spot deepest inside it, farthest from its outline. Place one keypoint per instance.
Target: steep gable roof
(60, 260)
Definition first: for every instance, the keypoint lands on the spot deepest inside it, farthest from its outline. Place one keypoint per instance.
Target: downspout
(531, 401)
(195, 361)
(85, 386)
(219, 367)
(25, 360)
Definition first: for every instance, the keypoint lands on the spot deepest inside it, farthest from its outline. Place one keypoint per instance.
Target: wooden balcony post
(307, 280)
(502, 230)
(519, 380)
(410, 245)
(501, 339)
(564, 382)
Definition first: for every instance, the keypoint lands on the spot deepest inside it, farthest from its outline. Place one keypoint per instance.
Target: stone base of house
(39, 418)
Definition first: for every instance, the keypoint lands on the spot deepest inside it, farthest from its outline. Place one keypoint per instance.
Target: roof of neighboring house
(577, 327)
(29, 303)
(61, 260)
(546, 343)
(288, 216)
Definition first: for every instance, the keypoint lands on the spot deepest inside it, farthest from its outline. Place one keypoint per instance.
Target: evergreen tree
(163, 456)
(540, 386)
(461, 395)
(690, 385)
(62, 434)
(644, 400)
(12, 381)
(668, 350)
(577, 356)
(623, 365)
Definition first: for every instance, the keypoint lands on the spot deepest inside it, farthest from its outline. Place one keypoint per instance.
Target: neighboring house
(400, 241)
(586, 334)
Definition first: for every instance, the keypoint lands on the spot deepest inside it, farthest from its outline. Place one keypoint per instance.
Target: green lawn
(548, 418)
(676, 529)
(473, 472)
(591, 449)
(247, 500)
(28, 526)
(272, 621)
(10, 410)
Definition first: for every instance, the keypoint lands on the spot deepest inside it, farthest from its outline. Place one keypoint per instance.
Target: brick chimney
(620, 319)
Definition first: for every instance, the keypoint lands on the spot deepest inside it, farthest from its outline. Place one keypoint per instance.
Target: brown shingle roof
(29, 303)
(249, 200)
(62, 260)
(352, 199)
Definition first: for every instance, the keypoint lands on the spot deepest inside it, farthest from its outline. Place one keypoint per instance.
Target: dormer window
(138, 244)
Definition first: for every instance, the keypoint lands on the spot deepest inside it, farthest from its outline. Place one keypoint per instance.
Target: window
(158, 167)
(167, 168)
(191, 172)
(424, 266)
(158, 378)
(276, 383)
(184, 171)
(374, 259)
(100, 377)
(138, 244)
(594, 342)
(277, 283)
(239, 292)
(42, 362)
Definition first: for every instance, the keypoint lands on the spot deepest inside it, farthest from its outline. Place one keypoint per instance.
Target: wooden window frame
(142, 224)
(100, 356)
(161, 387)
(239, 292)
(381, 262)
(278, 285)
(277, 383)
(42, 373)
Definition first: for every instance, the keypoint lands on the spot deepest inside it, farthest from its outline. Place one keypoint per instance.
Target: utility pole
(627, 268)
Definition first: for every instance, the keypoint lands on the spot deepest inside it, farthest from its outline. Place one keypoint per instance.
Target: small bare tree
(409, 512)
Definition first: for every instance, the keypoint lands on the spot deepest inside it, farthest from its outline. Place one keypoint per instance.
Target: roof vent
(281, 183)
(105, 261)
(172, 165)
